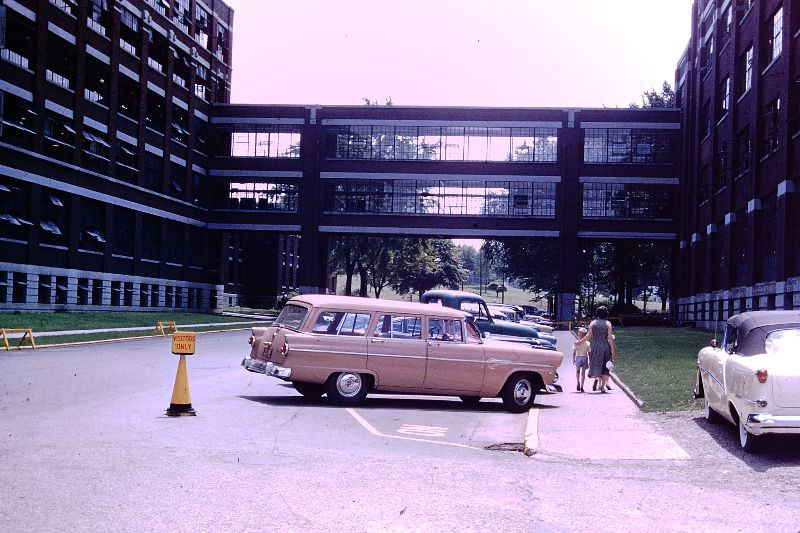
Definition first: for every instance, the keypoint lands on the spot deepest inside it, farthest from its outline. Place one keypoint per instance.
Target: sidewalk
(596, 426)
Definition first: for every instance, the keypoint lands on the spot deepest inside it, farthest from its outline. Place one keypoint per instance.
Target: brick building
(738, 87)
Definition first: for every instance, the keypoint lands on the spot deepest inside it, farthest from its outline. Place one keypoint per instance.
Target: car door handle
(378, 341)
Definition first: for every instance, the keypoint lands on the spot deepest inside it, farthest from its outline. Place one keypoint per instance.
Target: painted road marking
(425, 431)
(369, 427)
(532, 432)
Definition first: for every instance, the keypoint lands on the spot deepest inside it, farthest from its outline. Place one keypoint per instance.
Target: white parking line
(532, 432)
(366, 425)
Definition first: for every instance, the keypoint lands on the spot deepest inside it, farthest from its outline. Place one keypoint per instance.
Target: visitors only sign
(183, 343)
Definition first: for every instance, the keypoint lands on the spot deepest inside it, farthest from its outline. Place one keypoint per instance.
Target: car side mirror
(714, 343)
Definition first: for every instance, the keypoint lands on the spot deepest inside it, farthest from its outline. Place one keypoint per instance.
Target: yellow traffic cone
(181, 403)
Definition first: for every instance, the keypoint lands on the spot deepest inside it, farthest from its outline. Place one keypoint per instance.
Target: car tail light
(762, 375)
(251, 340)
(284, 349)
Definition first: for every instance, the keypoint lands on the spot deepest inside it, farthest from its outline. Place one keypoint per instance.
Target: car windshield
(783, 341)
(291, 317)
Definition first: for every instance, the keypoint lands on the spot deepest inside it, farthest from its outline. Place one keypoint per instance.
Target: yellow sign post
(183, 344)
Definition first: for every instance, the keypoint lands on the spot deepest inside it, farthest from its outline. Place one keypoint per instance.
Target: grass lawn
(65, 339)
(660, 365)
(99, 320)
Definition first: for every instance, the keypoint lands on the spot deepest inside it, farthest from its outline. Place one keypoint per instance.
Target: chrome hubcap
(522, 392)
(348, 384)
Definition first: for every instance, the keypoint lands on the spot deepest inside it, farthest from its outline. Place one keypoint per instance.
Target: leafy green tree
(656, 99)
(422, 264)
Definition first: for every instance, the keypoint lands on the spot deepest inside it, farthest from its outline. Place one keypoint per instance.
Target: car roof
(354, 303)
(447, 293)
(753, 327)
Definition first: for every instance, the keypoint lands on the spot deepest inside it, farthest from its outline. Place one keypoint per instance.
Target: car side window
(782, 341)
(354, 324)
(473, 336)
(340, 323)
(476, 309)
(398, 327)
(729, 343)
(445, 330)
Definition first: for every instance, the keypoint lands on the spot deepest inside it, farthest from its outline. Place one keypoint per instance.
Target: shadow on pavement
(777, 451)
(377, 401)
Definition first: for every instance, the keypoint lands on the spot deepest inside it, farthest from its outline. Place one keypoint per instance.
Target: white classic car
(753, 379)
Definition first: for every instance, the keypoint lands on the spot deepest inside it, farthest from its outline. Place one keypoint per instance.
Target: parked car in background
(346, 347)
(753, 378)
(475, 305)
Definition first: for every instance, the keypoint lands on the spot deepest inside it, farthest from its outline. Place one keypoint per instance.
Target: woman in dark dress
(603, 347)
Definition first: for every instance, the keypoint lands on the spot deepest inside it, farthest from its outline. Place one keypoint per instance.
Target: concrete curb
(100, 341)
(531, 445)
(639, 403)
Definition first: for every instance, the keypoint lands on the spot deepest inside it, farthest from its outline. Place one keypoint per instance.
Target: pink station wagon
(346, 347)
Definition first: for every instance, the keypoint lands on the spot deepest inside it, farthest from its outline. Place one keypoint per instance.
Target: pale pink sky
(501, 53)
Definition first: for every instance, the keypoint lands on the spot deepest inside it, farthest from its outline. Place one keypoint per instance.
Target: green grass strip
(99, 320)
(660, 365)
(70, 339)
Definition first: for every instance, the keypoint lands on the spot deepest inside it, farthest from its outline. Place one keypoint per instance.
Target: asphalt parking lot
(85, 447)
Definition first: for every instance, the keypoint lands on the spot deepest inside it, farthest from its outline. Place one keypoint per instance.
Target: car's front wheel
(309, 390)
(750, 443)
(519, 393)
(347, 388)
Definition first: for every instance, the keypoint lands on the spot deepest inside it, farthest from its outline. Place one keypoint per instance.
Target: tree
(655, 99)
(422, 264)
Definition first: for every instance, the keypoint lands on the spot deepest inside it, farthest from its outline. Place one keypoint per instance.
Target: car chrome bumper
(269, 368)
(765, 423)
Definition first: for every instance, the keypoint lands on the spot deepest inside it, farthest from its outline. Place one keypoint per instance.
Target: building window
(704, 185)
(19, 121)
(705, 125)
(771, 115)
(442, 143)
(727, 23)
(775, 44)
(624, 145)
(746, 69)
(153, 172)
(151, 238)
(440, 197)
(92, 224)
(743, 151)
(765, 239)
(175, 241)
(627, 200)
(83, 291)
(278, 141)
(116, 293)
(723, 170)
(725, 94)
(124, 229)
(268, 196)
(15, 220)
(156, 112)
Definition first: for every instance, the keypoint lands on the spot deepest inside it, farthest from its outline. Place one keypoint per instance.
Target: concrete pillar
(32, 289)
(205, 299)
(219, 305)
(106, 298)
(72, 291)
(135, 301)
